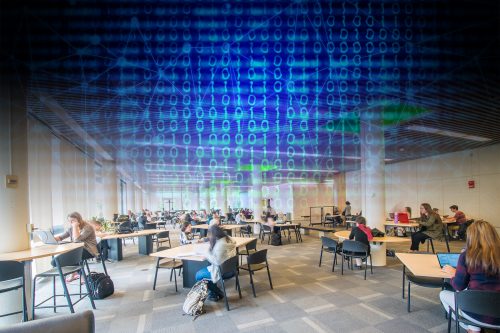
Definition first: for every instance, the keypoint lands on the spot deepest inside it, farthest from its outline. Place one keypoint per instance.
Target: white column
(198, 198)
(207, 196)
(225, 202)
(255, 196)
(111, 189)
(14, 202)
(373, 177)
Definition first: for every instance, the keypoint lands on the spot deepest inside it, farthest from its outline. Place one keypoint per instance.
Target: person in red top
(361, 233)
(478, 268)
(460, 219)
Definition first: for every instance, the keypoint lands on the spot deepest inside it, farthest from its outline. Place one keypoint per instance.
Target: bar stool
(64, 264)
(12, 278)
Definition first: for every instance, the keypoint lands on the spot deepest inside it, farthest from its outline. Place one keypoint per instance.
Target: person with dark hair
(460, 220)
(432, 227)
(361, 233)
(80, 231)
(478, 268)
(346, 213)
(221, 248)
(187, 236)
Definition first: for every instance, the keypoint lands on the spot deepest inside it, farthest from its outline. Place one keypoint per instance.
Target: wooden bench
(321, 230)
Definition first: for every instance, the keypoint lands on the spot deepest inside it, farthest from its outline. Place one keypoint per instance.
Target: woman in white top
(221, 248)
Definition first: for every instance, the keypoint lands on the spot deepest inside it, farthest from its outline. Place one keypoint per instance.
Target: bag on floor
(101, 285)
(195, 299)
(276, 239)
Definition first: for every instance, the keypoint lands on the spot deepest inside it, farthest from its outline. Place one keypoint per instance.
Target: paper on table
(201, 249)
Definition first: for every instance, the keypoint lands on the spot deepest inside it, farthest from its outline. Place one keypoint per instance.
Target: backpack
(101, 285)
(276, 239)
(195, 299)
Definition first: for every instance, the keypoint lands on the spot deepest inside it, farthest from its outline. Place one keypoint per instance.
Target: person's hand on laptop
(449, 270)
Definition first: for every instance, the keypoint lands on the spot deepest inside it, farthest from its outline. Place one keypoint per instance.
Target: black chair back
(329, 243)
(229, 266)
(161, 248)
(479, 302)
(71, 258)
(266, 228)
(352, 246)
(163, 234)
(252, 245)
(258, 257)
(10, 270)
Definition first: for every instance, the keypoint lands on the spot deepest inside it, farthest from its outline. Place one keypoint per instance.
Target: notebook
(450, 259)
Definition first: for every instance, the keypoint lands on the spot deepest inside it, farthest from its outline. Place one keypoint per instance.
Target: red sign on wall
(472, 184)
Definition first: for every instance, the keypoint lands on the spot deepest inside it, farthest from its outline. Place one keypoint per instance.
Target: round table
(377, 245)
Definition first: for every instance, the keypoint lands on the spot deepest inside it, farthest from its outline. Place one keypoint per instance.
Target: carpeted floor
(305, 298)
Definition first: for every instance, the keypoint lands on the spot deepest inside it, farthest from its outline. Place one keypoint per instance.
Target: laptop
(403, 218)
(47, 237)
(450, 259)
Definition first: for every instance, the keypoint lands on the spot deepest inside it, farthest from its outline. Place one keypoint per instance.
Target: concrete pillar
(225, 200)
(255, 197)
(207, 196)
(14, 201)
(373, 177)
(111, 190)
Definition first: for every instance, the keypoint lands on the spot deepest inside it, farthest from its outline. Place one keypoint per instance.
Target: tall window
(123, 196)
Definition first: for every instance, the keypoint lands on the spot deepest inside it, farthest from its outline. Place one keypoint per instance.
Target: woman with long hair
(220, 249)
(478, 268)
(80, 231)
(432, 227)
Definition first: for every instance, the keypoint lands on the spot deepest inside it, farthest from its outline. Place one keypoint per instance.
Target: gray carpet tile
(305, 298)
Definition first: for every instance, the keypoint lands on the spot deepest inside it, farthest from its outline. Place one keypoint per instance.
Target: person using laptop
(432, 227)
(80, 231)
(460, 219)
(478, 268)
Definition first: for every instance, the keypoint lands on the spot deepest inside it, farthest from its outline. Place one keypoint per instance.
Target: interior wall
(442, 181)
(313, 195)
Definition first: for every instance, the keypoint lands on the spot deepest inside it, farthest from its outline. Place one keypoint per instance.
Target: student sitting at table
(80, 231)
(187, 236)
(460, 220)
(103, 243)
(221, 248)
(432, 227)
(478, 268)
(361, 233)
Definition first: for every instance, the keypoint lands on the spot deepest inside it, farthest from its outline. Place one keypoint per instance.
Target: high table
(377, 245)
(27, 256)
(145, 242)
(192, 256)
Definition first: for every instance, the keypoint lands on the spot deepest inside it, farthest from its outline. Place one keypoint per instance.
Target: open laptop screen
(450, 259)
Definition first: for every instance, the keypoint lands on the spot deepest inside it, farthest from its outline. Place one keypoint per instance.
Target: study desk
(26, 257)
(145, 242)
(227, 227)
(377, 245)
(192, 256)
(412, 226)
(290, 226)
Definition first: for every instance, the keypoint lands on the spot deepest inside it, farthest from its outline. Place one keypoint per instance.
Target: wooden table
(228, 227)
(40, 251)
(288, 226)
(412, 226)
(423, 265)
(145, 242)
(192, 256)
(377, 245)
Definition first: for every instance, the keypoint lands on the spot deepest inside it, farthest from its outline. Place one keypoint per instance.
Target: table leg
(145, 244)
(189, 269)
(115, 251)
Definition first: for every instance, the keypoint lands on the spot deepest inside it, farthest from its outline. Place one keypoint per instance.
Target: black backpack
(276, 239)
(101, 285)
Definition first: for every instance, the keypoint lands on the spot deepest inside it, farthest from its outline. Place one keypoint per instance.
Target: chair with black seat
(331, 246)
(246, 230)
(478, 302)
(12, 278)
(82, 322)
(265, 230)
(64, 264)
(255, 262)
(163, 237)
(352, 249)
(249, 249)
(430, 242)
(229, 269)
(171, 264)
